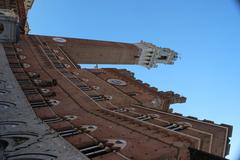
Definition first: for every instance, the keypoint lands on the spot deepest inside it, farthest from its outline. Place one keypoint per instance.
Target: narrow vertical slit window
(30, 91)
(178, 126)
(101, 148)
(98, 98)
(85, 88)
(52, 120)
(144, 117)
(69, 132)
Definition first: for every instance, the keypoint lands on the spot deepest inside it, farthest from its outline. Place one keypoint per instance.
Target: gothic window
(101, 148)
(98, 98)
(178, 126)
(174, 127)
(85, 88)
(69, 132)
(38, 103)
(144, 117)
(95, 150)
(52, 120)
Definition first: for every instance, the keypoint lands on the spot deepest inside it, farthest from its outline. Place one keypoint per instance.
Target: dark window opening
(69, 132)
(39, 103)
(1, 28)
(162, 58)
(175, 127)
(98, 98)
(85, 88)
(144, 117)
(28, 91)
(95, 150)
(52, 120)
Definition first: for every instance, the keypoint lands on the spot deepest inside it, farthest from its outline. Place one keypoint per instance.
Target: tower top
(151, 55)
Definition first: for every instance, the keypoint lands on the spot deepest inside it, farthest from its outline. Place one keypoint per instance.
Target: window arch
(178, 126)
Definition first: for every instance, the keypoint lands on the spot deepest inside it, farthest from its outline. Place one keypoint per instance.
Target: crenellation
(191, 117)
(208, 121)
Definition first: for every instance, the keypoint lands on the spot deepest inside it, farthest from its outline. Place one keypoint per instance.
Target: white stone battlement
(152, 55)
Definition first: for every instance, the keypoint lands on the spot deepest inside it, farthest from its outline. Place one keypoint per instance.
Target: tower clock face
(117, 82)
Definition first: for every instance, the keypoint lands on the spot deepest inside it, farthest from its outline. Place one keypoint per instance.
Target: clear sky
(206, 34)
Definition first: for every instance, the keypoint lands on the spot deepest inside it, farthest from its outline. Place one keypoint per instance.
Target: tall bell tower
(83, 51)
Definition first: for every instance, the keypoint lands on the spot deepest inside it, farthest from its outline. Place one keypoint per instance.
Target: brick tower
(53, 109)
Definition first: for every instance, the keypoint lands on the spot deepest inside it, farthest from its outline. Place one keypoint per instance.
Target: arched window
(178, 126)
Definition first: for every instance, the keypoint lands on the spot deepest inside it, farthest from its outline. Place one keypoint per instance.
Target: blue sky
(205, 33)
